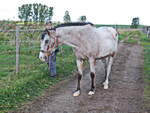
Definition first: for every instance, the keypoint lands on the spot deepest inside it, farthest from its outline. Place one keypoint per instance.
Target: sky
(96, 11)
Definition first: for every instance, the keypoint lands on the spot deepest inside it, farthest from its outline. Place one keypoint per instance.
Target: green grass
(123, 35)
(134, 37)
(33, 79)
(146, 45)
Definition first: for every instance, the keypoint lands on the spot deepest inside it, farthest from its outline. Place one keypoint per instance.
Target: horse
(88, 42)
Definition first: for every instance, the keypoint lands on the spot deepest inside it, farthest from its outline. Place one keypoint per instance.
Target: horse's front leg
(80, 73)
(92, 74)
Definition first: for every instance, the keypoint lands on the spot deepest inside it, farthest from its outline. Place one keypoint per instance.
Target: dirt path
(125, 94)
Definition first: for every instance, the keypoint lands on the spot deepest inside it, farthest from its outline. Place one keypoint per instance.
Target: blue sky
(97, 11)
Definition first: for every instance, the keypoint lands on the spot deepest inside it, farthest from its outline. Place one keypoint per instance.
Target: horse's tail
(116, 28)
(116, 36)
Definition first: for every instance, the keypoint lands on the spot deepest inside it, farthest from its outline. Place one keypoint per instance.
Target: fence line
(20, 52)
(17, 49)
(32, 45)
(22, 30)
(17, 42)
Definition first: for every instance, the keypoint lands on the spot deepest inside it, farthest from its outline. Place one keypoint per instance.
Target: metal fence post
(17, 49)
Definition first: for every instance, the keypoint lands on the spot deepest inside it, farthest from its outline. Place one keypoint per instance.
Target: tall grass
(33, 78)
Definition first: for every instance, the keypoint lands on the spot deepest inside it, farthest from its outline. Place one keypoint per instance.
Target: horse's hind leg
(107, 72)
(92, 68)
(105, 62)
(80, 73)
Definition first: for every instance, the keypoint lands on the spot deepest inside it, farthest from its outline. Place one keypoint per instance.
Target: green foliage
(25, 12)
(7, 25)
(67, 18)
(135, 22)
(33, 79)
(82, 19)
(132, 36)
(4, 37)
(35, 12)
(123, 35)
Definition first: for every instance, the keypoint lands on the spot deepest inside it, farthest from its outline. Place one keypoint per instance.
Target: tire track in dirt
(125, 94)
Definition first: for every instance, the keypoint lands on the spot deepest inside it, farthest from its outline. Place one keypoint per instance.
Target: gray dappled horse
(88, 42)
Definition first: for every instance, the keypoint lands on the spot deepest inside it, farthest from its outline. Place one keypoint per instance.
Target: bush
(4, 37)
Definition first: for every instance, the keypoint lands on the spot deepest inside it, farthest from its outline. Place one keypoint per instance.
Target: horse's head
(48, 44)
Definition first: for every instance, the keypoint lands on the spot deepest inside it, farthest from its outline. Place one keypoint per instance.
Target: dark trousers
(52, 64)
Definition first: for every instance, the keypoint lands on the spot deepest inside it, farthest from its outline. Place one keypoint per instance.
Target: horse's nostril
(45, 58)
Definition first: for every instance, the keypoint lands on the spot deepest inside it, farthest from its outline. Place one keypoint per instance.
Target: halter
(53, 45)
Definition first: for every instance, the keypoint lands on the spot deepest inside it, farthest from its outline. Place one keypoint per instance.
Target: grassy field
(33, 79)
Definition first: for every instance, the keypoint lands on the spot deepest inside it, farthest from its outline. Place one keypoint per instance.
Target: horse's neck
(68, 36)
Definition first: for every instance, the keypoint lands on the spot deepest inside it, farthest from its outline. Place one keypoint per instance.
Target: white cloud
(97, 11)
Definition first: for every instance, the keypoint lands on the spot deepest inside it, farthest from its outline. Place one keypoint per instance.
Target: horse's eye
(46, 41)
(42, 36)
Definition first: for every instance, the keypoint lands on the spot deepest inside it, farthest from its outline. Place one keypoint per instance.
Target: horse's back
(108, 32)
(107, 39)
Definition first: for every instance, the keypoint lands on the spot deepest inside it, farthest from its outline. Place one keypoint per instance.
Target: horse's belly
(107, 48)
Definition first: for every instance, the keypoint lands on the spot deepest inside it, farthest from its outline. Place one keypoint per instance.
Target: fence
(19, 50)
(146, 30)
(16, 42)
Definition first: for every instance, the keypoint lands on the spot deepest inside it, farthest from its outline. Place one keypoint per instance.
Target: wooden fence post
(17, 49)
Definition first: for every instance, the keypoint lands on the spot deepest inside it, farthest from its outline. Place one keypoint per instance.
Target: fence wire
(27, 53)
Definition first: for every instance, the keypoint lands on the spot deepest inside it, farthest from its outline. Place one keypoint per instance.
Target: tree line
(40, 13)
(35, 12)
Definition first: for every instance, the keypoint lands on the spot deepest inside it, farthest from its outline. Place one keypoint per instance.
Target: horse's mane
(70, 24)
(74, 24)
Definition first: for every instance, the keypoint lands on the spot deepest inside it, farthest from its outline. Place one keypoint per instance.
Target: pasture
(32, 80)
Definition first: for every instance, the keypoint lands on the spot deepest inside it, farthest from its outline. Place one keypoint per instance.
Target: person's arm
(56, 50)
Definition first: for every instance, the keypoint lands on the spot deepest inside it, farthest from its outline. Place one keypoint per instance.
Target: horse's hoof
(91, 93)
(76, 93)
(105, 85)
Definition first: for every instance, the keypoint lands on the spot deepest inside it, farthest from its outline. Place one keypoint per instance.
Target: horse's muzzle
(43, 57)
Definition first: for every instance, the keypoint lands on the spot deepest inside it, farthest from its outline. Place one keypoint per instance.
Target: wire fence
(20, 46)
(146, 30)
(19, 50)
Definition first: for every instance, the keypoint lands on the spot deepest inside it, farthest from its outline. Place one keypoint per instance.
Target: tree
(135, 22)
(25, 12)
(35, 12)
(67, 18)
(82, 18)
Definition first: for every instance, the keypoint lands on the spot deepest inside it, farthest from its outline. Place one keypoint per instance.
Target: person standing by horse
(52, 58)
